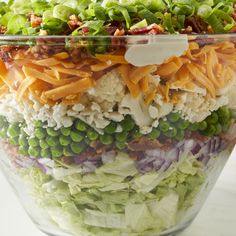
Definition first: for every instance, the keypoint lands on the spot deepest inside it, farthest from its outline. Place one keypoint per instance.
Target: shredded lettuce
(116, 199)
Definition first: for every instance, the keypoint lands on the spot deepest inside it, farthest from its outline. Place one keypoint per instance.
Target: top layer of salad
(113, 17)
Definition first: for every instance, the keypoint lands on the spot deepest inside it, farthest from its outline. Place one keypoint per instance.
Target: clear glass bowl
(120, 136)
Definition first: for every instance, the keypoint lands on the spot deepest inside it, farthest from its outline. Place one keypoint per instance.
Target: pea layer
(72, 141)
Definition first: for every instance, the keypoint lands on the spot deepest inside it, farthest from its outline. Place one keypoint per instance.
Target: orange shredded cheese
(61, 55)
(24, 87)
(33, 73)
(201, 78)
(167, 89)
(150, 97)
(74, 72)
(170, 68)
(137, 73)
(133, 88)
(101, 66)
(144, 83)
(3, 90)
(3, 69)
(115, 59)
(68, 89)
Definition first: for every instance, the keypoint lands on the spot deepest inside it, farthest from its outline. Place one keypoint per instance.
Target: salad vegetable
(114, 126)
(106, 199)
(112, 17)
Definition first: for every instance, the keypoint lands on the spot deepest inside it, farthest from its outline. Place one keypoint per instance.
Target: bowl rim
(126, 40)
(165, 36)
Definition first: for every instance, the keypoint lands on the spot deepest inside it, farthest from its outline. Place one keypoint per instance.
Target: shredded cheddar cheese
(68, 89)
(133, 88)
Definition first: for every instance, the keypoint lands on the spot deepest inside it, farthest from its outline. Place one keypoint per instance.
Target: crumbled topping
(196, 107)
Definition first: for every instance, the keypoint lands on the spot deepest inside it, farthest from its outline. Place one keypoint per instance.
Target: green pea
(22, 131)
(2, 121)
(65, 131)
(154, 134)
(45, 153)
(210, 130)
(23, 150)
(22, 140)
(3, 132)
(77, 148)
(106, 139)
(64, 141)
(92, 135)
(52, 132)
(127, 124)
(121, 137)
(224, 114)
(43, 144)
(52, 141)
(40, 133)
(76, 137)
(212, 119)
(86, 141)
(180, 135)
(120, 145)
(193, 127)
(111, 128)
(164, 126)
(68, 152)
(56, 152)
(136, 134)
(34, 151)
(33, 142)
(225, 126)
(218, 129)
(38, 123)
(80, 125)
(171, 133)
(202, 125)
(13, 130)
(173, 117)
(183, 124)
(13, 140)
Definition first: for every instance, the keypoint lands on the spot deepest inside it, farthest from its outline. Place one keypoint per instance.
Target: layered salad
(115, 114)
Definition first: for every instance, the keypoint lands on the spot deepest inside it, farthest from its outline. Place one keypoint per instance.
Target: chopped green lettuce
(106, 220)
(116, 199)
(122, 166)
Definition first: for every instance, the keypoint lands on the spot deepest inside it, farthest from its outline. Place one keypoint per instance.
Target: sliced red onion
(89, 167)
(166, 165)
(108, 157)
(157, 164)
(173, 155)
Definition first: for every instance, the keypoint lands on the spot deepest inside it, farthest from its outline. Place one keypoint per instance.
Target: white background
(217, 218)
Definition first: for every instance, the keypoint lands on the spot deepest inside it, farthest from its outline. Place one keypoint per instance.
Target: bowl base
(172, 232)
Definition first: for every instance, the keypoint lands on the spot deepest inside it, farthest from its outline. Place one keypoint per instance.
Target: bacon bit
(144, 144)
(151, 29)
(187, 30)
(7, 53)
(74, 22)
(35, 20)
(234, 16)
(156, 27)
(111, 30)
(85, 30)
(197, 24)
(233, 30)
(119, 32)
(209, 29)
(3, 29)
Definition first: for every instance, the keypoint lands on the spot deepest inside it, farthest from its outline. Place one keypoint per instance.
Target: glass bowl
(116, 136)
